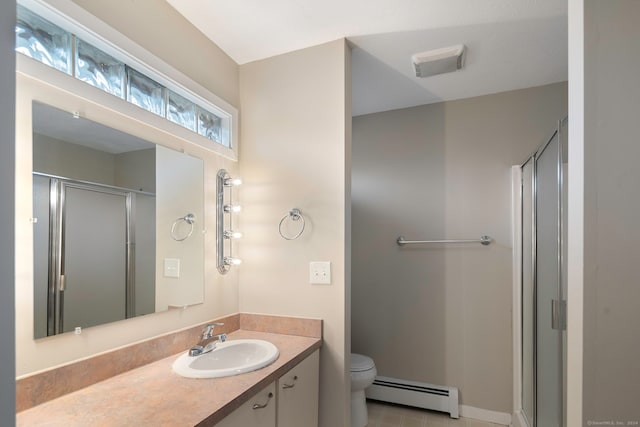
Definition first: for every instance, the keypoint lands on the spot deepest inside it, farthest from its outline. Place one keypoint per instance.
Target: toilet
(363, 372)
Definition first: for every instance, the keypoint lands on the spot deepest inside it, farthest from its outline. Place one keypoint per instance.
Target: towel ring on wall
(294, 214)
(189, 219)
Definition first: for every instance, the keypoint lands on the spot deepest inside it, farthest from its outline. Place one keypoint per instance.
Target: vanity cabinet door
(298, 394)
(259, 411)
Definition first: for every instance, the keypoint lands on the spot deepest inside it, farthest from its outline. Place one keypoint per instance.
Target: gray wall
(136, 169)
(132, 169)
(56, 157)
(611, 375)
(442, 314)
(7, 212)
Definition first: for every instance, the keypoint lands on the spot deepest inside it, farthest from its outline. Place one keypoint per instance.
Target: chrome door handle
(292, 385)
(259, 406)
(558, 315)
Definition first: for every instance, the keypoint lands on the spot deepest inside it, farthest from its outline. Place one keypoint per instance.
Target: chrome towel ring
(294, 214)
(189, 219)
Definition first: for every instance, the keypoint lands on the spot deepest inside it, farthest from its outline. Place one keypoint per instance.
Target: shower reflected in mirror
(103, 205)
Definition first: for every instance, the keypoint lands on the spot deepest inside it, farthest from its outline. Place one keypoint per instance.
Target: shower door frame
(520, 417)
(57, 218)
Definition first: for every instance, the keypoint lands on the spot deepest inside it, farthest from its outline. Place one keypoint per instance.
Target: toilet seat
(361, 363)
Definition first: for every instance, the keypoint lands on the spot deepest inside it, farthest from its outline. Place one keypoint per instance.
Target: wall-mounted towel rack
(484, 240)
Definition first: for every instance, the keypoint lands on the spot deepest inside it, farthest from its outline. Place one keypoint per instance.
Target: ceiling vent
(439, 61)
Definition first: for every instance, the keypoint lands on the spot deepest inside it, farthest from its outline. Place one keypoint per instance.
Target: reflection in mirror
(105, 207)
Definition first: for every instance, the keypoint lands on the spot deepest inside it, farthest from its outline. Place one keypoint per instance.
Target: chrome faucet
(207, 341)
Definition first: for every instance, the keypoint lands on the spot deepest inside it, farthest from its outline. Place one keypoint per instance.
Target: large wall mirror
(118, 224)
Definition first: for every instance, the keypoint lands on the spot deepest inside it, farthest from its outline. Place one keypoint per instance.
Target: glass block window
(99, 69)
(49, 44)
(181, 111)
(144, 92)
(209, 126)
(39, 39)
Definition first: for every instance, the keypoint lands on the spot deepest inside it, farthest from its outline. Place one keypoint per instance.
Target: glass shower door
(548, 299)
(544, 283)
(94, 260)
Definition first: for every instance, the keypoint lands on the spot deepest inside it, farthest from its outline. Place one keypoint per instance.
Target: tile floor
(388, 415)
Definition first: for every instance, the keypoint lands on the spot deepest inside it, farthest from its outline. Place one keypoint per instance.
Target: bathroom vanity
(290, 401)
(282, 394)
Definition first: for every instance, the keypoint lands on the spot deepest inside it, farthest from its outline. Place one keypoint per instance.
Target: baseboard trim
(519, 420)
(502, 418)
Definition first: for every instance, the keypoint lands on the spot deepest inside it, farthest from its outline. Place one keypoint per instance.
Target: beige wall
(294, 153)
(611, 210)
(442, 314)
(157, 27)
(575, 214)
(180, 192)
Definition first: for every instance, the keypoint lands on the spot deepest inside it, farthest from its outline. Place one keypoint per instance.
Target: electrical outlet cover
(172, 267)
(320, 272)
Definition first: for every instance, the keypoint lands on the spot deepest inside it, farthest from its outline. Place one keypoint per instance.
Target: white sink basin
(232, 357)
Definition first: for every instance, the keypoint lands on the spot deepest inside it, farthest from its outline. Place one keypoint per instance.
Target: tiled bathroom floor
(385, 415)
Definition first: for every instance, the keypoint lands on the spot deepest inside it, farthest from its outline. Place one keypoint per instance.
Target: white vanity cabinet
(290, 401)
(259, 411)
(298, 394)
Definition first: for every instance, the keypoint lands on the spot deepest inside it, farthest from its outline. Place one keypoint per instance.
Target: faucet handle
(208, 330)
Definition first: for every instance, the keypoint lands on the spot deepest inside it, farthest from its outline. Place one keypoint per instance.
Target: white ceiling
(511, 44)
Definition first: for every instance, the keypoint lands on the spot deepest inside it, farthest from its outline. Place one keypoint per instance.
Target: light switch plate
(320, 273)
(171, 267)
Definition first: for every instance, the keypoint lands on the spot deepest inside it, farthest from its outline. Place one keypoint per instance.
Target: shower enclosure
(543, 286)
(86, 271)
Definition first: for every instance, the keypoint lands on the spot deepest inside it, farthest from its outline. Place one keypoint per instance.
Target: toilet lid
(361, 363)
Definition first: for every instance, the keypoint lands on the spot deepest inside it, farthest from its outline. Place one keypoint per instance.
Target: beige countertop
(153, 395)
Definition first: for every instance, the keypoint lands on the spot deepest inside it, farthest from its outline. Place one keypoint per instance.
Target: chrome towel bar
(484, 240)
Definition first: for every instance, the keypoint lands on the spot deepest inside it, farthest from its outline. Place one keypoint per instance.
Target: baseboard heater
(411, 393)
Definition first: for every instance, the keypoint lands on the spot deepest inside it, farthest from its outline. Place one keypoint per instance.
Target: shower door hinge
(559, 315)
